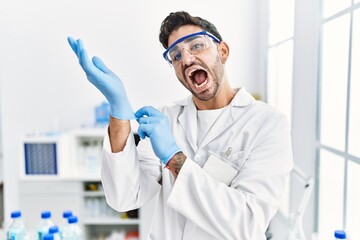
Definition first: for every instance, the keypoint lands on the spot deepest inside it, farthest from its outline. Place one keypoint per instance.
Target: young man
(217, 161)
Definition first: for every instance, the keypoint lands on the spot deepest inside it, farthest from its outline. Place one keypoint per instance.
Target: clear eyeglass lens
(193, 45)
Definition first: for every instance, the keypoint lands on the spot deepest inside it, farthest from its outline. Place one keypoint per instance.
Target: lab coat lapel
(188, 121)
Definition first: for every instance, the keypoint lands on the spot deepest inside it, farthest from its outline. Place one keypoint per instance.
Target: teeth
(191, 73)
(199, 86)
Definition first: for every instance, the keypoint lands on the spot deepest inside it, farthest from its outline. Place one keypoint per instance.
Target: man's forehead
(183, 31)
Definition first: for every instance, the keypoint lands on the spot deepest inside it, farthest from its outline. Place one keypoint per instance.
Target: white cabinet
(48, 194)
(99, 219)
(57, 195)
(78, 188)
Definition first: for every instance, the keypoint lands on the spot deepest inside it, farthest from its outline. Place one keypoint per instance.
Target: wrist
(175, 163)
(171, 152)
(116, 124)
(122, 111)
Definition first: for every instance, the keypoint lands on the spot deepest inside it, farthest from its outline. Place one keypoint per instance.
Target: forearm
(176, 162)
(119, 131)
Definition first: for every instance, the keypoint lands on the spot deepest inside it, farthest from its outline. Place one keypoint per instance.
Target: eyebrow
(174, 48)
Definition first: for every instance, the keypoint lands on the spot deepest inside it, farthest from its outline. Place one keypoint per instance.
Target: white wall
(43, 87)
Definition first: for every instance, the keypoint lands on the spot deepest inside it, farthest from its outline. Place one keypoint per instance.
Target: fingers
(84, 60)
(146, 125)
(141, 133)
(147, 111)
(78, 47)
(100, 65)
(72, 44)
(145, 130)
(81, 53)
(88, 66)
(148, 118)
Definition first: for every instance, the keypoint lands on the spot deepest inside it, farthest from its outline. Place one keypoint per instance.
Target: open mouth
(199, 77)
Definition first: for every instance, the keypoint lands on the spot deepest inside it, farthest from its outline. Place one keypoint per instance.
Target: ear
(224, 51)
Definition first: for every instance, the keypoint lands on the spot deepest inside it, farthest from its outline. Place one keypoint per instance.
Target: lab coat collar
(189, 122)
(241, 99)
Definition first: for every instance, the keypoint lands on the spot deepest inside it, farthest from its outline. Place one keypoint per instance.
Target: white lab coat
(196, 205)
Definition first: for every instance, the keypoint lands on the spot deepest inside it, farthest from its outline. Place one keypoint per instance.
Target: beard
(217, 71)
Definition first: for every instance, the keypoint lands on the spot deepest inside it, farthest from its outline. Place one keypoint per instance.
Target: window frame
(321, 146)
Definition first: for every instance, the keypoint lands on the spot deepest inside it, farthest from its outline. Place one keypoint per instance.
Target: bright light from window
(281, 18)
(280, 66)
(333, 125)
(331, 194)
(334, 82)
(353, 200)
(354, 125)
(331, 7)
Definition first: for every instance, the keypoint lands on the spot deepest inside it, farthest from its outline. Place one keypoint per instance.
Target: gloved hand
(155, 125)
(105, 80)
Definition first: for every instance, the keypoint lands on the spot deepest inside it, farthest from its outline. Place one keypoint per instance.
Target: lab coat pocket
(225, 168)
(236, 159)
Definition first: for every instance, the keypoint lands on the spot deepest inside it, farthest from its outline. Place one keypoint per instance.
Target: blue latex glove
(155, 125)
(105, 80)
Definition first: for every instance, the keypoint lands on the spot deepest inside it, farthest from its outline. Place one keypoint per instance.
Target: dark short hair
(178, 19)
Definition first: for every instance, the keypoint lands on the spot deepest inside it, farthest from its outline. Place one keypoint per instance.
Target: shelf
(94, 194)
(59, 178)
(110, 221)
(90, 132)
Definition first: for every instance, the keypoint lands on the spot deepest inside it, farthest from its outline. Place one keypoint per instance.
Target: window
(335, 49)
(280, 55)
(280, 66)
(339, 119)
(354, 117)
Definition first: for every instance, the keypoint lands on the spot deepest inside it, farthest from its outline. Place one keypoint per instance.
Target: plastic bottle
(92, 158)
(44, 224)
(339, 234)
(64, 222)
(54, 230)
(16, 230)
(73, 230)
(48, 236)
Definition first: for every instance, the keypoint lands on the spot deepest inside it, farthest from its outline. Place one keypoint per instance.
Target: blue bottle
(48, 236)
(54, 230)
(339, 234)
(16, 230)
(44, 224)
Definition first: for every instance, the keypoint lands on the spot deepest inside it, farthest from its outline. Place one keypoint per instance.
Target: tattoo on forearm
(176, 163)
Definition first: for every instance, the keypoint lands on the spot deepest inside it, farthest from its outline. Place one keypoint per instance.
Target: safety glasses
(194, 43)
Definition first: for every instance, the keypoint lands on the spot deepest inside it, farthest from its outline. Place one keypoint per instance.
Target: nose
(187, 57)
